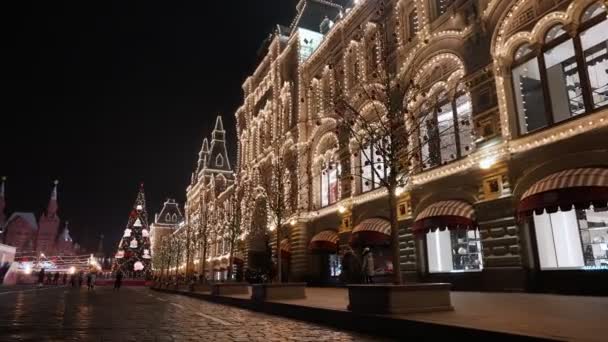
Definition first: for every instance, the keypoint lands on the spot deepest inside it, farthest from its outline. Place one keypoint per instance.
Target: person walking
(65, 279)
(89, 276)
(93, 278)
(368, 266)
(41, 277)
(80, 279)
(118, 280)
(56, 278)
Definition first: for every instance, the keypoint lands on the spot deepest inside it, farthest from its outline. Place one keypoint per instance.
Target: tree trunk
(204, 262)
(392, 203)
(230, 261)
(279, 256)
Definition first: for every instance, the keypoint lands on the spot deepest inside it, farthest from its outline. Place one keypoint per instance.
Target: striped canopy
(374, 231)
(445, 214)
(579, 188)
(325, 241)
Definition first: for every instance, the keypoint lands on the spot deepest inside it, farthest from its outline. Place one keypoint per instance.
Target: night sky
(105, 95)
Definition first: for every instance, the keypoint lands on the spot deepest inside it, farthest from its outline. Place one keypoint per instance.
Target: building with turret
(211, 186)
(30, 236)
(165, 223)
(508, 181)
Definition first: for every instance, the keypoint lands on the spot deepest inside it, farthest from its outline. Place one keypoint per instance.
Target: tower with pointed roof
(165, 223)
(133, 256)
(64, 244)
(48, 225)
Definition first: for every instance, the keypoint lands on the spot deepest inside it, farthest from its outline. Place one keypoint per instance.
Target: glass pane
(439, 251)
(558, 240)
(593, 225)
(466, 250)
(564, 82)
(529, 97)
(366, 169)
(594, 42)
(429, 141)
(333, 185)
(378, 166)
(555, 32)
(447, 133)
(464, 110)
(324, 188)
(523, 51)
(593, 11)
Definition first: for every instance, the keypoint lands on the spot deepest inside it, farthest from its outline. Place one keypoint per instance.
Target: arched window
(445, 129)
(330, 184)
(373, 169)
(566, 77)
(174, 218)
(219, 160)
(168, 217)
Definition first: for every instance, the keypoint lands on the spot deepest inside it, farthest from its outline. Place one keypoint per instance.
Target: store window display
(454, 251)
(575, 239)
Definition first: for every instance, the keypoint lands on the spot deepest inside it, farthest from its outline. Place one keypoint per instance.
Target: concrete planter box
(200, 288)
(262, 292)
(399, 299)
(227, 289)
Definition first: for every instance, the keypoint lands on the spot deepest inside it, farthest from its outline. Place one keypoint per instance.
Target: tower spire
(218, 132)
(51, 210)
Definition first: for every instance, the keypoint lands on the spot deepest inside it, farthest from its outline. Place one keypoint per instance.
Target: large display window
(330, 185)
(454, 251)
(565, 77)
(575, 239)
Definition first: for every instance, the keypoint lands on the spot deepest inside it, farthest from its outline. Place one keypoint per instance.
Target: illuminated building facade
(522, 187)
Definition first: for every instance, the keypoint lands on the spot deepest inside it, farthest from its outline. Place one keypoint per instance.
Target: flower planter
(227, 289)
(399, 299)
(262, 292)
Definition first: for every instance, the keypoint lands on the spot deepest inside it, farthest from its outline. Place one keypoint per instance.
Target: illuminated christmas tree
(133, 255)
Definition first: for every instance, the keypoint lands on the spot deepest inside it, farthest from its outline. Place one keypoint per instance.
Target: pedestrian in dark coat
(41, 277)
(118, 280)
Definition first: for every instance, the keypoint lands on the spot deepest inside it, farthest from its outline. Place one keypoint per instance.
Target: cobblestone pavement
(139, 314)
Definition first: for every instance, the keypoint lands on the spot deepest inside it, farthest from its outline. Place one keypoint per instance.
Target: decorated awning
(374, 231)
(578, 188)
(445, 215)
(325, 241)
(285, 248)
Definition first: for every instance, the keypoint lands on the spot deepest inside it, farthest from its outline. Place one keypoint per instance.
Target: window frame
(434, 107)
(477, 239)
(374, 185)
(325, 172)
(538, 53)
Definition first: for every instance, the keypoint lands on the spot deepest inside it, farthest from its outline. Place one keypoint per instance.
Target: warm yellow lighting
(487, 163)
(293, 222)
(341, 209)
(72, 270)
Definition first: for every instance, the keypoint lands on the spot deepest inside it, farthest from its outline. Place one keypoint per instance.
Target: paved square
(139, 314)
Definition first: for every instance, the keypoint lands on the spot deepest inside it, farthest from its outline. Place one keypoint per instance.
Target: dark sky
(104, 94)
